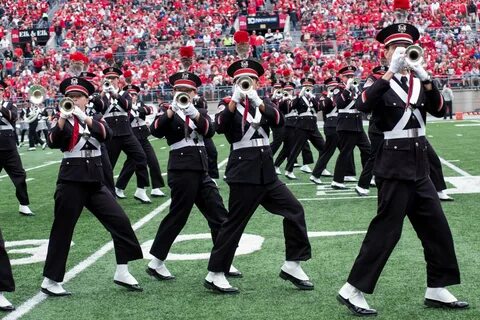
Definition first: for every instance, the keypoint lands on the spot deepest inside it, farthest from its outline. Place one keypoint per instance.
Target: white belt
(291, 115)
(407, 133)
(331, 115)
(136, 125)
(186, 143)
(261, 142)
(82, 154)
(348, 111)
(306, 114)
(115, 114)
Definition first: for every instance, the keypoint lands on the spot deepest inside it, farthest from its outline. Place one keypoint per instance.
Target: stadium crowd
(145, 40)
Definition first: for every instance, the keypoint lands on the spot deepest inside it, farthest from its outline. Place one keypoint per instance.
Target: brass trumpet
(245, 83)
(183, 100)
(356, 82)
(277, 93)
(107, 85)
(414, 55)
(37, 94)
(66, 105)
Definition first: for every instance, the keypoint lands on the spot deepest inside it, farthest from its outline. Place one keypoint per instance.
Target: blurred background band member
(140, 129)
(185, 128)
(32, 117)
(251, 176)
(9, 158)
(399, 101)
(277, 133)
(80, 185)
(115, 104)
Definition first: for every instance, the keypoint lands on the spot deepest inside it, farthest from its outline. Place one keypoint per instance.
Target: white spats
(218, 279)
(361, 191)
(326, 173)
(141, 195)
(350, 179)
(338, 185)
(157, 193)
(123, 275)
(4, 303)
(305, 168)
(278, 171)
(293, 268)
(372, 182)
(25, 210)
(54, 287)
(440, 294)
(233, 269)
(290, 175)
(315, 180)
(120, 193)
(443, 196)
(159, 267)
(353, 295)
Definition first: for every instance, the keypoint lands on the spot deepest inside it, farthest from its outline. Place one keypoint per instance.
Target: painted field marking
(336, 198)
(454, 168)
(324, 193)
(468, 125)
(29, 179)
(46, 164)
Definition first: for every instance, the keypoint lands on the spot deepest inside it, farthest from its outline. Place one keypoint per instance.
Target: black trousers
(278, 137)
(12, 163)
(244, 199)
(6, 277)
(212, 158)
(188, 188)
(448, 110)
(331, 143)
(367, 172)
(288, 143)
(107, 170)
(70, 199)
(436, 172)
(132, 148)
(33, 137)
(347, 141)
(301, 139)
(22, 135)
(45, 134)
(419, 201)
(154, 167)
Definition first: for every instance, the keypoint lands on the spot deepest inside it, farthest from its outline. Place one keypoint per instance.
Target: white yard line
(455, 168)
(49, 163)
(336, 198)
(31, 303)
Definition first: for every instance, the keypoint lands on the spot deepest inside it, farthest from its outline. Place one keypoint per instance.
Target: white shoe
(315, 180)
(218, 281)
(44, 145)
(296, 165)
(5, 305)
(372, 182)
(354, 296)
(440, 294)
(443, 196)
(141, 195)
(326, 173)
(120, 193)
(123, 278)
(338, 185)
(158, 193)
(53, 288)
(278, 171)
(32, 149)
(350, 179)
(290, 175)
(305, 168)
(25, 210)
(361, 191)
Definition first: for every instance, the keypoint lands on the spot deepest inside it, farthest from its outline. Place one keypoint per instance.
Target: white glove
(65, 116)
(135, 107)
(253, 96)
(238, 95)
(191, 111)
(398, 60)
(81, 115)
(113, 90)
(349, 86)
(419, 71)
(174, 107)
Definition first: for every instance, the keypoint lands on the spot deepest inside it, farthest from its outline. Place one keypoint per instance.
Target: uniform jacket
(137, 120)
(252, 165)
(8, 116)
(87, 169)
(403, 158)
(120, 124)
(285, 107)
(347, 121)
(372, 127)
(326, 105)
(306, 122)
(173, 129)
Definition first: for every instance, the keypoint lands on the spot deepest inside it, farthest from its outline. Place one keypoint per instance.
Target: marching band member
(80, 185)
(140, 129)
(9, 158)
(250, 174)
(115, 105)
(32, 113)
(349, 127)
(399, 102)
(7, 283)
(185, 128)
(277, 133)
(306, 126)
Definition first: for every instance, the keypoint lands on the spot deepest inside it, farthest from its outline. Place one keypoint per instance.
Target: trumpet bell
(37, 94)
(183, 100)
(245, 84)
(67, 105)
(106, 85)
(414, 54)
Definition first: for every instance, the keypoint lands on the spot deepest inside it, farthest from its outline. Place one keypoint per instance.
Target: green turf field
(399, 294)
